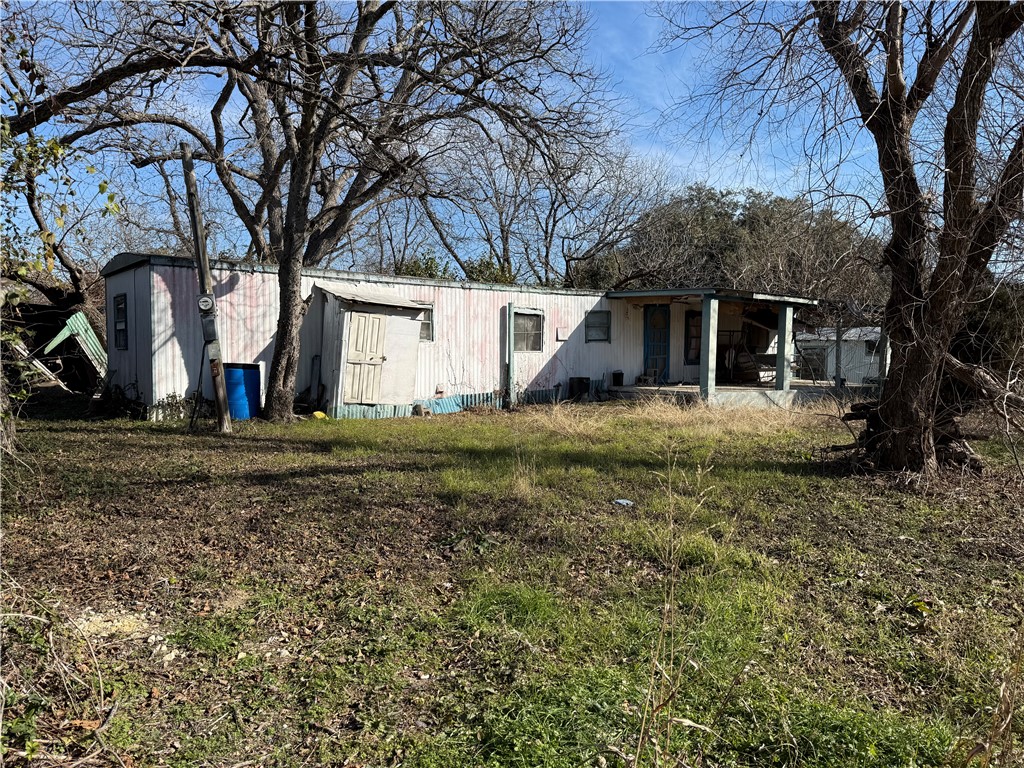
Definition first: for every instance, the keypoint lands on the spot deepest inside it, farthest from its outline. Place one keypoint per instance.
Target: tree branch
(934, 58)
(36, 114)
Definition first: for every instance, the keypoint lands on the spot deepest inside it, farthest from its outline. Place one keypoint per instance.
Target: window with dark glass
(693, 325)
(121, 321)
(528, 332)
(598, 325)
(427, 325)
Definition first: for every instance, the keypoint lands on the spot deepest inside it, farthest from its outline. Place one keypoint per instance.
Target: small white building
(860, 355)
(376, 345)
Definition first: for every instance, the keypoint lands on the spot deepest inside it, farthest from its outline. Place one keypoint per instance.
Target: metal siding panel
(311, 343)
(552, 368)
(444, 404)
(398, 378)
(333, 356)
(177, 339)
(144, 337)
(247, 306)
(356, 411)
(478, 400)
(467, 355)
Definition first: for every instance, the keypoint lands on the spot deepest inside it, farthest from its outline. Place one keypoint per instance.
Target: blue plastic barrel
(242, 381)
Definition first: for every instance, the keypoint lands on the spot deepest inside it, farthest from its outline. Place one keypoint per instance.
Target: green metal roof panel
(78, 326)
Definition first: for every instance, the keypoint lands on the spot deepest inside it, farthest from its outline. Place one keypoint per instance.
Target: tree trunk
(285, 363)
(7, 423)
(907, 412)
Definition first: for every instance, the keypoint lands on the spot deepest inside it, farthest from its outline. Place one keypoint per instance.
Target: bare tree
(315, 112)
(537, 215)
(394, 239)
(923, 82)
(54, 199)
(593, 203)
(62, 58)
(477, 201)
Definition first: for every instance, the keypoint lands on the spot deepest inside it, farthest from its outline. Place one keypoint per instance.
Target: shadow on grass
(50, 403)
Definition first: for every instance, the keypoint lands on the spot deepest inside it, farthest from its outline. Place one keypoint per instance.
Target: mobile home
(379, 345)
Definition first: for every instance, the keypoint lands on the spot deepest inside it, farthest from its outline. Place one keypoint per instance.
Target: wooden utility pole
(207, 303)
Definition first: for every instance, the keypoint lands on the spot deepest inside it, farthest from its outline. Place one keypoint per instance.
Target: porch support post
(784, 347)
(708, 346)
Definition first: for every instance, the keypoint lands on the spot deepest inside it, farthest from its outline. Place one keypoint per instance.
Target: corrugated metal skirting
(439, 405)
(442, 404)
(540, 396)
(351, 411)
(478, 400)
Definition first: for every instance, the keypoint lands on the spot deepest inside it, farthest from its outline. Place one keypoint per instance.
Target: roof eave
(720, 293)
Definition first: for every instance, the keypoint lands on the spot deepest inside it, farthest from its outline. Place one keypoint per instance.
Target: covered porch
(799, 392)
(709, 342)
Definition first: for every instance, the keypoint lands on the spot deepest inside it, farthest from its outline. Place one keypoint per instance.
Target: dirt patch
(114, 623)
(231, 600)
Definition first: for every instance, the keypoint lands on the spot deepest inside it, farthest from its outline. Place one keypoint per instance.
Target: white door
(365, 357)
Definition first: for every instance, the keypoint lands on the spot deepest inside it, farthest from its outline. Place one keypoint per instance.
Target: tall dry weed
(572, 420)
(591, 421)
(702, 418)
(997, 748)
(671, 664)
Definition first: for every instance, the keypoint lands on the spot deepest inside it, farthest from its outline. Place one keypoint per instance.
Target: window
(529, 332)
(692, 351)
(599, 325)
(121, 321)
(871, 347)
(427, 325)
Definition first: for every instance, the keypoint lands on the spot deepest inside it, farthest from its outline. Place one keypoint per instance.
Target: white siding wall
(468, 351)
(857, 363)
(247, 305)
(466, 356)
(144, 330)
(401, 350)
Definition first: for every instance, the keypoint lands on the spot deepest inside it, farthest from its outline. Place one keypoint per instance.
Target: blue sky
(624, 44)
(650, 82)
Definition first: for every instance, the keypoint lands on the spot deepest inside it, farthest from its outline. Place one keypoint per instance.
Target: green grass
(463, 591)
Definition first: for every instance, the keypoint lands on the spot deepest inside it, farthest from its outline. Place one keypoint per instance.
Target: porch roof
(725, 294)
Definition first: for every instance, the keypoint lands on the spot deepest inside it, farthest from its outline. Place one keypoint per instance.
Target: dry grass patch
(592, 422)
(701, 419)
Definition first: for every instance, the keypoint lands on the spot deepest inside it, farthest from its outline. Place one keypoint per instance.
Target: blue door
(656, 333)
